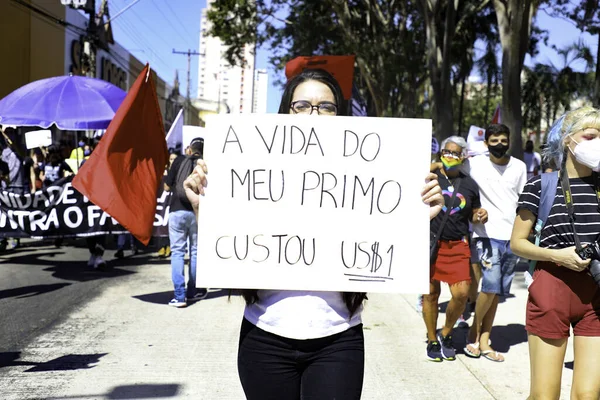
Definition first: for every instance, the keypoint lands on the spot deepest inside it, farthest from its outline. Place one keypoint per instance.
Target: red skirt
(452, 264)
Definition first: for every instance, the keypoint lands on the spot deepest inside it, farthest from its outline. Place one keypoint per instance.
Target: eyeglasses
(304, 107)
(451, 153)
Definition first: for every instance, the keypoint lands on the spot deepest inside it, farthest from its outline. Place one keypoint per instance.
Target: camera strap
(566, 188)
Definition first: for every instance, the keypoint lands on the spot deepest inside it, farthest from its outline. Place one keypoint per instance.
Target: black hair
(353, 300)
(318, 75)
(197, 146)
(497, 129)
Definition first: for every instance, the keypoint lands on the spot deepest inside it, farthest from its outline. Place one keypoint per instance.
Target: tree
(386, 37)
(445, 19)
(514, 24)
(586, 16)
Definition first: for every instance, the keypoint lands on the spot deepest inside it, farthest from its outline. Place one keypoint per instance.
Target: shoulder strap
(547, 194)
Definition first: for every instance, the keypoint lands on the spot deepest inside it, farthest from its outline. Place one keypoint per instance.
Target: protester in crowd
(78, 152)
(501, 179)
(17, 180)
(55, 168)
(452, 262)
(563, 295)
(10, 156)
(533, 160)
(324, 328)
(164, 247)
(183, 227)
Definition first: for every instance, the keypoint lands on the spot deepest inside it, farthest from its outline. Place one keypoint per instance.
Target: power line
(183, 26)
(174, 27)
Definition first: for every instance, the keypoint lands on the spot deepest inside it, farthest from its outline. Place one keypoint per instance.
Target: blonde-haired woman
(563, 294)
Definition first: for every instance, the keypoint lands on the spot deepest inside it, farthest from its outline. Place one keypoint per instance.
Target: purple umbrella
(70, 102)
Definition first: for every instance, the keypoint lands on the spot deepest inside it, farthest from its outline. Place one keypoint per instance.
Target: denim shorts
(497, 265)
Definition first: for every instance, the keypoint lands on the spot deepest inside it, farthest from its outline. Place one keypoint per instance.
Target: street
(72, 333)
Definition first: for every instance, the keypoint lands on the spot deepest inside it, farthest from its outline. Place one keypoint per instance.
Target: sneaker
(434, 351)
(168, 251)
(177, 303)
(461, 322)
(99, 263)
(119, 254)
(92, 261)
(448, 351)
(200, 295)
(13, 244)
(161, 252)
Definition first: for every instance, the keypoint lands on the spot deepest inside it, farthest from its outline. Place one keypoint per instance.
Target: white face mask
(587, 153)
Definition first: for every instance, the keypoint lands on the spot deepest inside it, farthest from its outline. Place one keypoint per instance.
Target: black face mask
(498, 150)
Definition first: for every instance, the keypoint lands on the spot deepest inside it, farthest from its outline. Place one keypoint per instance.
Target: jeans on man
(497, 265)
(183, 226)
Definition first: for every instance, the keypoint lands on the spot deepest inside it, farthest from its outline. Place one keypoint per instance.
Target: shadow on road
(65, 363)
(70, 270)
(31, 291)
(139, 391)
(163, 298)
(503, 337)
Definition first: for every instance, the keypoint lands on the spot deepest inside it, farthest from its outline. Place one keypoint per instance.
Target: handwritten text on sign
(307, 203)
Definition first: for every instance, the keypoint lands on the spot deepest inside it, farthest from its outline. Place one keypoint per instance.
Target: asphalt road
(41, 284)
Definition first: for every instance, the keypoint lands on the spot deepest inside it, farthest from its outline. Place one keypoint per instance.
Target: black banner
(61, 211)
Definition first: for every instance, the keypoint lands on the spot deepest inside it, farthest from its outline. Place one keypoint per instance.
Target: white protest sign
(304, 203)
(476, 134)
(34, 139)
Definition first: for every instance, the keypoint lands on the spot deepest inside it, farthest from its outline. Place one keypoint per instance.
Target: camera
(592, 252)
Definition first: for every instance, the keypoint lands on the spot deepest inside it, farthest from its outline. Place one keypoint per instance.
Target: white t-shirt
(301, 314)
(532, 161)
(499, 187)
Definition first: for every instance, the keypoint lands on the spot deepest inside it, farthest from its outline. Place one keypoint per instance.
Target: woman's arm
(521, 246)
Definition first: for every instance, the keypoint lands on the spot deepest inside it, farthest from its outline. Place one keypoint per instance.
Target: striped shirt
(557, 232)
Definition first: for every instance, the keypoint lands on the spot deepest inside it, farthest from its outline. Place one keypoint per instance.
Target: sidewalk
(128, 344)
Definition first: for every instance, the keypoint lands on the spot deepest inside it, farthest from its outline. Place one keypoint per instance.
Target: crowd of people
(491, 204)
(486, 212)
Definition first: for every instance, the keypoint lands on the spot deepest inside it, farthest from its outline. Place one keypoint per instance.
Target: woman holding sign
(303, 343)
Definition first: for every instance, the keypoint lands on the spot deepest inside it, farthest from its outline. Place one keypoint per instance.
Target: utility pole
(189, 54)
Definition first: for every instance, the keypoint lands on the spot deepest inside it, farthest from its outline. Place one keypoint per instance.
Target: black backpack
(185, 169)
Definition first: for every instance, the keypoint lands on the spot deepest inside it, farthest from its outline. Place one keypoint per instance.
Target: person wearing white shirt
(501, 179)
(532, 159)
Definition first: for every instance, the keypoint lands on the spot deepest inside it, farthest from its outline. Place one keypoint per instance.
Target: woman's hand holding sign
(432, 195)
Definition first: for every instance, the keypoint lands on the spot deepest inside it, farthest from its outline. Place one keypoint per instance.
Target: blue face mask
(86, 153)
(81, 144)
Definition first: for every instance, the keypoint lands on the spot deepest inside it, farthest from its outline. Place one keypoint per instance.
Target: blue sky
(151, 29)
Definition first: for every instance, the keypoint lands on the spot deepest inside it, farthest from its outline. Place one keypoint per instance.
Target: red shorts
(560, 298)
(452, 264)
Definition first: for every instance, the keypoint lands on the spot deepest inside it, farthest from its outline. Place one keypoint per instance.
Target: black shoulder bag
(434, 239)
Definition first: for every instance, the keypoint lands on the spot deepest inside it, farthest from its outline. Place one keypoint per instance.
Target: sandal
(471, 354)
(492, 355)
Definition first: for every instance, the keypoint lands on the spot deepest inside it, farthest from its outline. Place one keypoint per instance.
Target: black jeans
(274, 367)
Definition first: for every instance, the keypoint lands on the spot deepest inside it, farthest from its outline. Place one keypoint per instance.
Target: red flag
(341, 67)
(123, 173)
(497, 118)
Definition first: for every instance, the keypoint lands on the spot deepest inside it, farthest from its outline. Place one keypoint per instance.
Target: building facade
(36, 46)
(231, 88)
